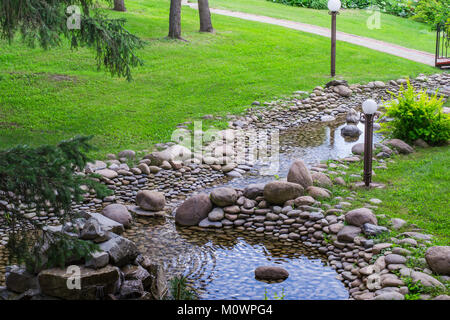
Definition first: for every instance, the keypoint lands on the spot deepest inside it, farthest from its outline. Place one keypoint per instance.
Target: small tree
(46, 22)
(44, 179)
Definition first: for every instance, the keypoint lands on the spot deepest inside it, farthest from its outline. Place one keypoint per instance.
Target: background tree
(46, 23)
(119, 5)
(205, 16)
(44, 179)
(175, 19)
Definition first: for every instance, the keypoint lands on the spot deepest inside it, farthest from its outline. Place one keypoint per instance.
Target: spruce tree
(47, 22)
(47, 179)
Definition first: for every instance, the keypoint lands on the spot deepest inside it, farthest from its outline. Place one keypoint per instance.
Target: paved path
(393, 49)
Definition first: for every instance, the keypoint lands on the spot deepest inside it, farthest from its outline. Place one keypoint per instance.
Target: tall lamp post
(369, 108)
(333, 6)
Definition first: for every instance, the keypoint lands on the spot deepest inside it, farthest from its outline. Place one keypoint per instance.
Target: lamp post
(369, 108)
(333, 6)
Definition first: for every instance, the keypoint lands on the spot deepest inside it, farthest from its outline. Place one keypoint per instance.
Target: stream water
(220, 264)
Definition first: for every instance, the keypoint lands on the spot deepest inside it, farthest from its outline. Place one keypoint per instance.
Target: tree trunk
(205, 16)
(175, 19)
(119, 5)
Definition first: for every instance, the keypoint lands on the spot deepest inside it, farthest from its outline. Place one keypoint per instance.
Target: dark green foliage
(44, 22)
(43, 178)
(180, 291)
(402, 8)
(416, 115)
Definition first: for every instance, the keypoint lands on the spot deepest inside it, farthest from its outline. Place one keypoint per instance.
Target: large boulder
(54, 283)
(19, 280)
(223, 197)
(119, 213)
(351, 131)
(129, 154)
(92, 230)
(358, 149)
(352, 116)
(318, 192)
(278, 192)
(150, 200)
(271, 273)
(254, 190)
(400, 146)
(107, 173)
(193, 210)
(438, 258)
(121, 250)
(348, 234)
(299, 173)
(105, 223)
(321, 179)
(358, 217)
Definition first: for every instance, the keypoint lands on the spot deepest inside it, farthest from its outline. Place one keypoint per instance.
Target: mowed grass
(397, 30)
(219, 74)
(417, 189)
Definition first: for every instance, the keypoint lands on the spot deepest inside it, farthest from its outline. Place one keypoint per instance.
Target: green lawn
(393, 29)
(221, 73)
(417, 189)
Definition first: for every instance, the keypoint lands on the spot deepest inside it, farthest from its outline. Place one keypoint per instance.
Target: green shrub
(416, 115)
(402, 8)
(433, 12)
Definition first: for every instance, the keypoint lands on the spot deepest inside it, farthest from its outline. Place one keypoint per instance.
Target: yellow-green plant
(416, 115)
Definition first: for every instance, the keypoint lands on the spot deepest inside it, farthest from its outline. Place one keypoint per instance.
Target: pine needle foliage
(44, 179)
(44, 23)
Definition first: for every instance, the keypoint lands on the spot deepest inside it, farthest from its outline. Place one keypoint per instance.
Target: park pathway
(393, 49)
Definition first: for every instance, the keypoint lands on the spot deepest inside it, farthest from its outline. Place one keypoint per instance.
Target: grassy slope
(220, 73)
(417, 190)
(393, 29)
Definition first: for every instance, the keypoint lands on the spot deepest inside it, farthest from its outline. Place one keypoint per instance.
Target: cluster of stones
(175, 171)
(292, 211)
(325, 104)
(116, 271)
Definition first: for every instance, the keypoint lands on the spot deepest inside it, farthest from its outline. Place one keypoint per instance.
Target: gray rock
(223, 197)
(107, 173)
(131, 289)
(193, 210)
(206, 223)
(299, 173)
(358, 149)
(150, 200)
(321, 179)
(394, 259)
(390, 296)
(92, 230)
(278, 192)
(358, 217)
(119, 213)
(351, 131)
(318, 192)
(373, 230)
(121, 251)
(19, 280)
(438, 258)
(129, 154)
(98, 260)
(348, 234)
(398, 223)
(216, 214)
(400, 146)
(271, 273)
(254, 190)
(53, 282)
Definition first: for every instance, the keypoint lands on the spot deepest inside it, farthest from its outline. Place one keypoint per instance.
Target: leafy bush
(402, 8)
(416, 115)
(433, 12)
